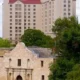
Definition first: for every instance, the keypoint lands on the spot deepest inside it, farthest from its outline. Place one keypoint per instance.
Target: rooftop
(40, 52)
(26, 1)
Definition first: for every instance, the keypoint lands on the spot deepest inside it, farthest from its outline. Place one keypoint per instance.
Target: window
(34, 23)
(64, 1)
(28, 9)
(19, 62)
(28, 60)
(34, 27)
(19, 27)
(65, 9)
(42, 77)
(11, 9)
(15, 34)
(10, 23)
(24, 20)
(28, 16)
(10, 34)
(19, 23)
(19, 34)
(34, 9)
(34, 16)
(28, 27)
(10, 12)
(25, 13)
(34, 5)
(10, 20)
(68, 9)
(24, 27)
(28, 20)
(24, 23)
(64, 5)
(10, 38)
(10, 27)
(68, 5)
(16, 31)
(24, 16)
(10, 16)
(10, 5)
(34, 12)
(19, 20)
(24, 9)
(24, 5)
(28, 23)
(10, 30)
(28, 5)
(15, 27)
(19, 30)
(34, 20)
(64, 13)
(19, 16)
(28, 12)
(42, 63)
(68, 13)
(68, 1)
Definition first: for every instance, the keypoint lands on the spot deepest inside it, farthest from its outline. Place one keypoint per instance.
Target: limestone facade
(22, 63)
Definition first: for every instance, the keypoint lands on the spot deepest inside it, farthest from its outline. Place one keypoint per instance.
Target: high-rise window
(10, 5)
(64, 5)
(34, 5)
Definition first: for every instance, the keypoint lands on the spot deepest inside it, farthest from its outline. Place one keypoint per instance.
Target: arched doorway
(19, 78)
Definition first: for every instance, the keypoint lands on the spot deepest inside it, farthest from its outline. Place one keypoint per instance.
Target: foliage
(62, 24)
(68, 40)
(32, 37)
(4, 43)
(75, 73)
(67, 44)
(60, 68)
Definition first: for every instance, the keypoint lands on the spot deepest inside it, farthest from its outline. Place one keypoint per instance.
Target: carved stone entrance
(19, 78)
(26, 72)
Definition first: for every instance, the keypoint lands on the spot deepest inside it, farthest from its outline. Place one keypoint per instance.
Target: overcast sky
(77, 11)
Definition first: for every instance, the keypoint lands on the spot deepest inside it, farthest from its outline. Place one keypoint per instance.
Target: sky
(1, 1)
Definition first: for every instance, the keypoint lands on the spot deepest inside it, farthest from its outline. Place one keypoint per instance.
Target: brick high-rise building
(19, 15)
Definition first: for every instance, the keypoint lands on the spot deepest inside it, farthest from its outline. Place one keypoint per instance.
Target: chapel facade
(22, 63)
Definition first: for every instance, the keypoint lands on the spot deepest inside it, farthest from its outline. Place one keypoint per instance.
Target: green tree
(4, 43)
(67, 44)
(60, 68)
(68, 40)
(75, 73)
(32, 37)
(62, 24)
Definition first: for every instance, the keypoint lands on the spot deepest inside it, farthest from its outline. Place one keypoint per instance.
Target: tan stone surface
(30, 64)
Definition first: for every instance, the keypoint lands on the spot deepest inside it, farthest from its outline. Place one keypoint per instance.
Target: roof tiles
(26, 1)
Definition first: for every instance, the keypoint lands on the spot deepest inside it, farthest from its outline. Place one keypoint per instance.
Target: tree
(75, 73)
(68, 38)
(60, 68)
(32, 37)
(4, 43)
(67, 44)
(62, 24)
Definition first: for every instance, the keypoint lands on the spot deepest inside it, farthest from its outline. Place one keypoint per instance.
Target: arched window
(28, 60)
(43, 78)
(10, 62)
